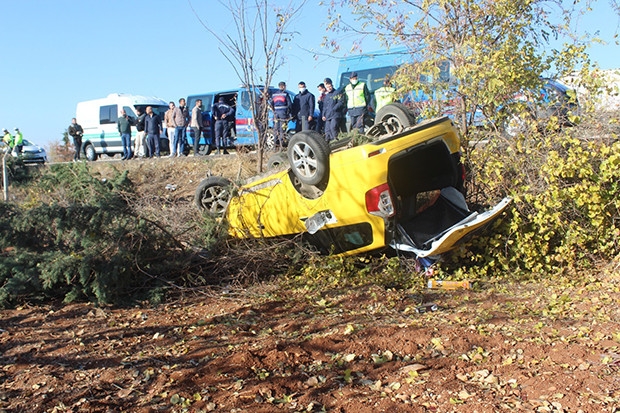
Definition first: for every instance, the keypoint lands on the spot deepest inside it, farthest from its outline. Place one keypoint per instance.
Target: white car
(31, 153)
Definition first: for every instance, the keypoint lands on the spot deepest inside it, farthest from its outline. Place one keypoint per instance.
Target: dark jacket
(334, 105)
(140, 122)
(281, 104)
(221, 108)
(124, 124)
(75, 130)
(303, 105)
(152, 124)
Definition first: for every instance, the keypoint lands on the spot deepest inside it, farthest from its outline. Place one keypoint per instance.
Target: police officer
(358, 99)
(281, 105)
(384, 95)
(303, 109)
(8, 140)
(333, 104)
(222, 115)
(19, 142)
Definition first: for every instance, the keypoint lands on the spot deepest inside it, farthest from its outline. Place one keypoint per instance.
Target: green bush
(566, 205)
(84, 242)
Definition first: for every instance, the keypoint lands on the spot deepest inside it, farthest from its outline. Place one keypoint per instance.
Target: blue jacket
(281, 104)
(334, 105)
(152, 124)
(303, 105)
(219, 109)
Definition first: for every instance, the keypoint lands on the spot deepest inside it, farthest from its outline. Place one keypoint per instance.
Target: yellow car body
(368, 198)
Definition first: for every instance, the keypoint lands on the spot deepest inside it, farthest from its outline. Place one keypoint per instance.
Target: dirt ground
(534, 347)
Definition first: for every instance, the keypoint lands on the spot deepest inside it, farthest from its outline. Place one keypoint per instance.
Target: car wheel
(91, 155)
(308, 154)
(395, 117)
(213, 194)
(270, 141)
(276, 160)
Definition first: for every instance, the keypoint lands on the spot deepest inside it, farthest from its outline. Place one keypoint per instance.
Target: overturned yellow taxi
(403, 189)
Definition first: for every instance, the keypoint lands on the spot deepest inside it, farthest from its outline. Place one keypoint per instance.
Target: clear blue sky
(56, 53)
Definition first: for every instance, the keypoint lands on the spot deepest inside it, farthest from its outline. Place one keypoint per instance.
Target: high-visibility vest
(383, 96)
(355, 95)
(19, 138)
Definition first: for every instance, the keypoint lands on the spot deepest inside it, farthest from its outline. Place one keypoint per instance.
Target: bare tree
(254, 49)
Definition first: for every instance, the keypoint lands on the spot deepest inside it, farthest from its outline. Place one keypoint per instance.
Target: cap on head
(354, 74)
(328, 81)
(221, 99)
(282, 84)
(4, 130)
(16, 129)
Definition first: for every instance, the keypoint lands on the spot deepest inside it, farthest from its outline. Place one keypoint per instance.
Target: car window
(341, 239)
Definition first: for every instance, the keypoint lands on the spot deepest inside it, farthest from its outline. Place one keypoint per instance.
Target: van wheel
(395, 117)
(91, 155)
(213, 195)
(276, 160)
(308, 154)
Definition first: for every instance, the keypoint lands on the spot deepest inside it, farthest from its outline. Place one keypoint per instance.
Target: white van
(98, 118)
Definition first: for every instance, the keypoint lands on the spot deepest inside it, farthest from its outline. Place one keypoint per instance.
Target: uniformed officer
(358, 99)
(222, 114)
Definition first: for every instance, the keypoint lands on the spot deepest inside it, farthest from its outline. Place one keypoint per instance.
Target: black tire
(90, 153)
(395, 117)
(213, 194)
(276, 160)
(308, 155)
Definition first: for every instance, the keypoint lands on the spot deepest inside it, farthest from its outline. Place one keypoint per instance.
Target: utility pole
(5, 179)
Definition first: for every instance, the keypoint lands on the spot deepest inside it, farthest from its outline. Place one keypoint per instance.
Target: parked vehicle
(31, 152)
(243, 132)
(402, 189)
(553, 100)
(98, 119)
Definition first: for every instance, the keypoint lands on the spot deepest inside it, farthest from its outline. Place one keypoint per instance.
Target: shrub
(566, 206)
(84, 242)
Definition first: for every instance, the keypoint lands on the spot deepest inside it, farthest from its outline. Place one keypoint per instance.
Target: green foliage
(494, 49)
(566, 205)
(85, 243)
(322, 273)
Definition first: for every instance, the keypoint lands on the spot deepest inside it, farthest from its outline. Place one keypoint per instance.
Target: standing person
(76, 132)
(140, 147)
(153, 128)
(320, 124)
(358, 99)
(170, 127)
(281, 105)
(181, 119)
(303, 108)
(124, 123)
(8, 141)
(19, 142)
(384, 95)
(222, 115)
(333, 104)
(196, 124)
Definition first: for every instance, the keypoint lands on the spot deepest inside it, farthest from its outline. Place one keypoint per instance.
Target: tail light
(379, 201)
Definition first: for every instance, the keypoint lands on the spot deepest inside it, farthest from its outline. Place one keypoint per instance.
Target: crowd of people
(334, 105)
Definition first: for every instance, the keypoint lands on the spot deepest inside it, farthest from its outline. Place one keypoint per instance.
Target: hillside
(548, 345)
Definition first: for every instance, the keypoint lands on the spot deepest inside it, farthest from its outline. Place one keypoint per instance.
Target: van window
(129, 111)
(108, 114)
(207, 102)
